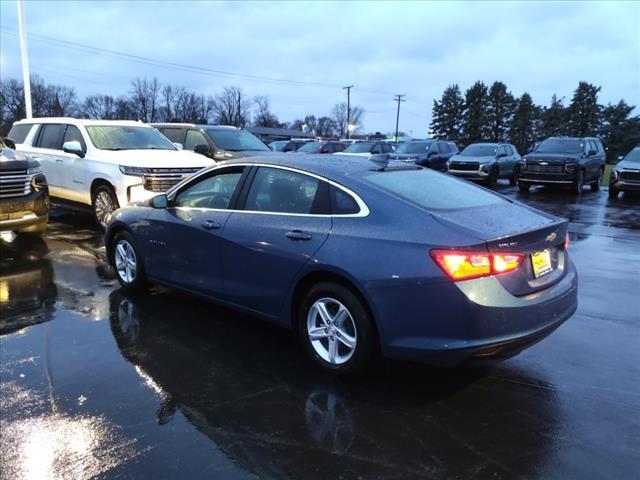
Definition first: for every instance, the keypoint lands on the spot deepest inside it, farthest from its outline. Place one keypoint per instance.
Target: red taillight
(566, 241)
(461, 265)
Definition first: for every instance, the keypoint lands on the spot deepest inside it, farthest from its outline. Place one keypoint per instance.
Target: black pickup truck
(24, 194)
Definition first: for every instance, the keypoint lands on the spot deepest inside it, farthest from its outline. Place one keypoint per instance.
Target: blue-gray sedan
(360, 258)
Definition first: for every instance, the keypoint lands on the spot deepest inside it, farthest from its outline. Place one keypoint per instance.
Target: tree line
(150, 101)
(494, 114)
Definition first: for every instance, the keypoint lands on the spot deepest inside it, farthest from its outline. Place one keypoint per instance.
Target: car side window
(282, 191)
(18, 133)
(174, 134)
(342, 203)
(51, 136)
(377, 149)
(214, 191)
(194, 138)
(387, 148)
(72, 134)
(434, 148)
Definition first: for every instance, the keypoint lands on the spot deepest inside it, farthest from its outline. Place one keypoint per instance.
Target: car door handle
(59, 160)
(297, 235)
(211, 225)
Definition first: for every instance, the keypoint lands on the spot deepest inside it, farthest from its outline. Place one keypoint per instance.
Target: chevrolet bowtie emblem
(551, 237)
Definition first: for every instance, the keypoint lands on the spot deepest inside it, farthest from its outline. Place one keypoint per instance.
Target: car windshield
(413, 147)
(359, 147)
(633, 156)
(311, 147)
(561, 145)
(433, 190)
(479, 150)
(121, 137)
(236, 140)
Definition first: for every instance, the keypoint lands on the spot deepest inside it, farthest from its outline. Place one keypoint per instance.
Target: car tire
(513, 179)
(578, 183)
(104, 204)
(613, 191)
(492, 179)
(342, 340)
(127, 262)
(524, 187)
(595, 186)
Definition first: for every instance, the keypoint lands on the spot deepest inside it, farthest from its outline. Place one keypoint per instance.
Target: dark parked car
(24, 193)
(367, 148)
(287, 145)
(487, 162)
(427, 153)
(568, 161)
(356, 257)
(321, 147)
(218, 142)
(625, 176)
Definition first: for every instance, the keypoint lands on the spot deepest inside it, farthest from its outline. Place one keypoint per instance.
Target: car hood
(12, 160)
(157, 158)
(472, 159)
(627, 165)
(552, 157)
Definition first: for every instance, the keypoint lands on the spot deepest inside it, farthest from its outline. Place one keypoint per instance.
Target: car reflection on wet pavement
(99, 382)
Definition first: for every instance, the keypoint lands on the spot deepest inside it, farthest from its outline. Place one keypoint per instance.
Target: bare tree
(231, 107)
(326, 127)
(339, 114)
(263, 116)
(99, 107)
(145, 96)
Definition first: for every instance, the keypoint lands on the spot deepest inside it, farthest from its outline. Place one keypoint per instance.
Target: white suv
(103, 163)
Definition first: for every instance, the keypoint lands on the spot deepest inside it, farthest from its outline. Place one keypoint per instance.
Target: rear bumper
(478, 319)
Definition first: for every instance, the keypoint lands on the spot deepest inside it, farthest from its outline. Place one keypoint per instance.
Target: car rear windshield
(633, 156)
(480, 151)
(433, 190)
(413, 147)
(561, 145)
(18, 133)
(121, 137)
(311, 147)
(359, 147)
(236, 140)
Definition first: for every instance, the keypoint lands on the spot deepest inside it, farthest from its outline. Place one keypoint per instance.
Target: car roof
(195, 125)
(80, 121)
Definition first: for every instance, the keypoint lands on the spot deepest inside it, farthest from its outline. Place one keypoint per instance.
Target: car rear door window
(72, 134)
(174, 134)
(282, 191)
(51, 136)
(214, 191)
(194, 138)
(342, 203)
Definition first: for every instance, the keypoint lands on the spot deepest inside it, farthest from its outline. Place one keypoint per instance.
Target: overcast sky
(383, 48)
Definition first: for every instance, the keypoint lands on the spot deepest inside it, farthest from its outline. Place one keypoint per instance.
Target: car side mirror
(620, 157)
(160, 201)
(201, 148)
(74, 147)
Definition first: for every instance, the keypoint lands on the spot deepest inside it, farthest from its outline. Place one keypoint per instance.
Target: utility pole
(25, 59)
(348, 89)
(398, 98)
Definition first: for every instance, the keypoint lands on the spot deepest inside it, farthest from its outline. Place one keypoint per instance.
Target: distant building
(270, 134)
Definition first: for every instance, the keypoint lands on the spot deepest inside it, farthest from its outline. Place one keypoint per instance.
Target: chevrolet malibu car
(486, 162)
(357, 257)
(625, 176)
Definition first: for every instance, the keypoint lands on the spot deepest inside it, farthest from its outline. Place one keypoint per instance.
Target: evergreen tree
(447, 114)
(523, 133)
(584, 112)
(500, 106)
(474, 119)
(554, 119)
(619, 132)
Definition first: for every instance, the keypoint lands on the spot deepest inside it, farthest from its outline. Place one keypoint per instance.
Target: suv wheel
(524, 187)
(336, 329)
(104, 204)
(492, 179)
(578, 183)
(613, 191)
(595, 186)
(128, 263)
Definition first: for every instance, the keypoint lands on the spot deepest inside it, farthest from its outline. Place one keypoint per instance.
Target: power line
(399, 98)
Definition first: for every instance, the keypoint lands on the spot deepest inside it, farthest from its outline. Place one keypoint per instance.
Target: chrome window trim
(364, 209)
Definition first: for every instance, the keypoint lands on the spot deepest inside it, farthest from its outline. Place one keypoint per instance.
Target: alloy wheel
(126, 262)
(331, 331)
(104, 207)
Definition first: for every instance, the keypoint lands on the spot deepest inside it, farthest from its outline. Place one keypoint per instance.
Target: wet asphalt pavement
(96, 382)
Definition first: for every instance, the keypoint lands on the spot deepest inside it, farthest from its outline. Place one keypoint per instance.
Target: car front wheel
(336, 329)
(613, 191)
(578, 183)
(128, 263)
(595, 186)
(104, 204)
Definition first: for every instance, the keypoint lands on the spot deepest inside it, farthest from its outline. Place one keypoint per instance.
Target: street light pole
(398, 98)
(348, 89)
(25, 59)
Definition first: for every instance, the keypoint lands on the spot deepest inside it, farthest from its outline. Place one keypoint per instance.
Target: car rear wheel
(578, 183)
(128, 263)
(104, 204)
(524, 187)
(336, 329)
(595, 186)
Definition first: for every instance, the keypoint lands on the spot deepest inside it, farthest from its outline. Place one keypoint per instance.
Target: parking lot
(96, 382)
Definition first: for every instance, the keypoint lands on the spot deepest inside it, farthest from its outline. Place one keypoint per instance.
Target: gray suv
(486, 162)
